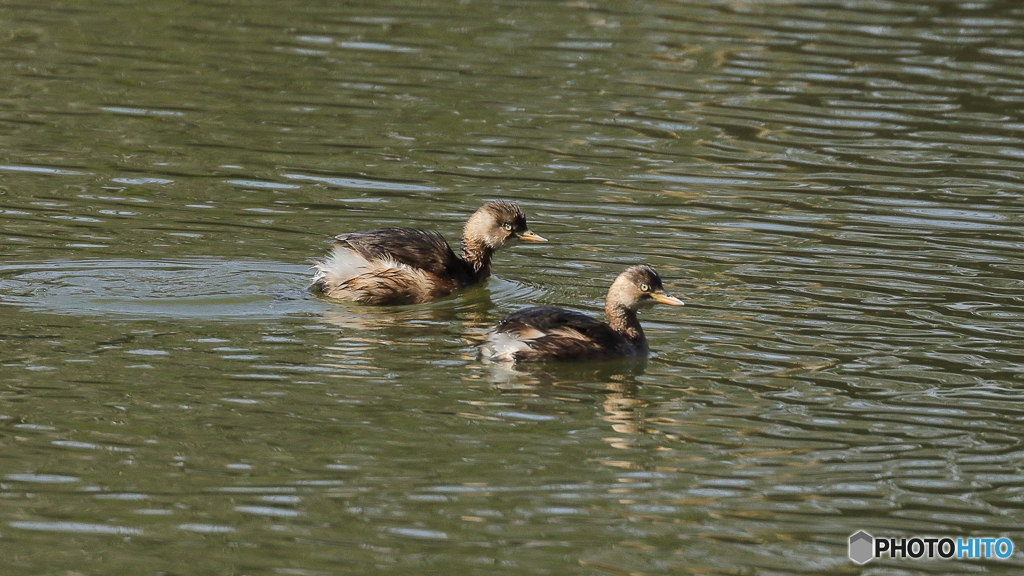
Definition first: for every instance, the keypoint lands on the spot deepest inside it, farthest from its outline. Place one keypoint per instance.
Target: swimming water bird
(545, 333)
(409, 266)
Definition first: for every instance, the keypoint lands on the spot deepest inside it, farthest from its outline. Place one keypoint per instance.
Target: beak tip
(532, 237)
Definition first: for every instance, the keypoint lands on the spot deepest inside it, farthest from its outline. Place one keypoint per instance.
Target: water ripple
(206, 288)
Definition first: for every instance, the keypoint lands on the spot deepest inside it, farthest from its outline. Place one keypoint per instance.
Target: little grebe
(546, 333)
(407, 266)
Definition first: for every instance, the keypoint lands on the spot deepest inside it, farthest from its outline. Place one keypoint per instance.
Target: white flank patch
(344, 263)
(502, 346)
(340, 265)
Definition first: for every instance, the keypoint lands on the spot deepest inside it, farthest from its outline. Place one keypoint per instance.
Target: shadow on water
(538, 390)
(528, 375)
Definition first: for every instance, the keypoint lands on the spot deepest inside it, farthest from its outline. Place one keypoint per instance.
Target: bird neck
(477, 255)
(625, 322)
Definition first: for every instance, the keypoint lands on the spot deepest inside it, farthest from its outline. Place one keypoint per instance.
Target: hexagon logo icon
(862, 547)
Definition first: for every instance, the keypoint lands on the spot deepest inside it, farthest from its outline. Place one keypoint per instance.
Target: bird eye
(645, 287)
(507, 226)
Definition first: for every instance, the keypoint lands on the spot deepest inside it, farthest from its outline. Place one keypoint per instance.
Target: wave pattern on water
(835, 190)
(199, 288)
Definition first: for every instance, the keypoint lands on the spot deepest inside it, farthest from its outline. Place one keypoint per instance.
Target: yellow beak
(666, 299)
(530, 237)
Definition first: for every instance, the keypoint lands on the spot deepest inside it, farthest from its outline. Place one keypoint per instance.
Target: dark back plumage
(410, 266)
(428, 251)
(545, 333)
(558, 334)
